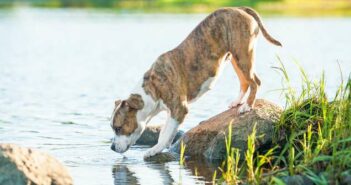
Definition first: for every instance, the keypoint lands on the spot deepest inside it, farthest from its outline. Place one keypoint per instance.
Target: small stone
(162, 157)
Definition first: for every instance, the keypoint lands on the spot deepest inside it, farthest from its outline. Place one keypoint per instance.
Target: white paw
(149, 153)
(235, 104)
(244, 108)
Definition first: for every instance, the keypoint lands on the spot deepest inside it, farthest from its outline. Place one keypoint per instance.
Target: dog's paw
(234, 104)
(150, 153)
(244, 108)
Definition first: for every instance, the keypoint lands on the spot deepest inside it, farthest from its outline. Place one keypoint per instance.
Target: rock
(19, 165)
(208, 138)
(163, 157)
(150, 136)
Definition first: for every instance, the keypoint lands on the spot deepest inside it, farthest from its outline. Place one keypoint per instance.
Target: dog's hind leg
(244, 85)
(257, 80)
(247, 63)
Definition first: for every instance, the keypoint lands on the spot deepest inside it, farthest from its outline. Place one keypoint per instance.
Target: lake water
(61, 70)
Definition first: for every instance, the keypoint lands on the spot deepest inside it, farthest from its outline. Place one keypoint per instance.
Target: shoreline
(288, 9)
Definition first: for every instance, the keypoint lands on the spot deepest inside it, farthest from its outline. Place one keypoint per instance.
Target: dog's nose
(113, 147)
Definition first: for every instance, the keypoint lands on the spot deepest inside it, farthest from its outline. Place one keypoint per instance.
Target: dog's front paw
(244, 108)
(149, 153)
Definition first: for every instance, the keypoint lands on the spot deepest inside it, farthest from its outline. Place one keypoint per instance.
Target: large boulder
(208, 138)
(150, 136)
(19, 165)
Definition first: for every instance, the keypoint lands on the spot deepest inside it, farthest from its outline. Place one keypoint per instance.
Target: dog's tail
(255, 15)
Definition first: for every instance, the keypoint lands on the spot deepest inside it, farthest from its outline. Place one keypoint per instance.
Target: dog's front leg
(167, 134)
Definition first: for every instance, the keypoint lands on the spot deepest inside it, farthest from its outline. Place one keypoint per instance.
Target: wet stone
(150, 136)
(163, 157)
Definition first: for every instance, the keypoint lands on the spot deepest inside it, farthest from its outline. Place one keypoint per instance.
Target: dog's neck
(150, 106)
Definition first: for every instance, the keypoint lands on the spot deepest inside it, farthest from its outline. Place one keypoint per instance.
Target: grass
(314, 135)
(182, 151)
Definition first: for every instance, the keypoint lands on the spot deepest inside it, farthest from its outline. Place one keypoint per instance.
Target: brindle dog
(181, 75)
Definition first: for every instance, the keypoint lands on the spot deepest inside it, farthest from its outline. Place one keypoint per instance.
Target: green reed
(182, 151)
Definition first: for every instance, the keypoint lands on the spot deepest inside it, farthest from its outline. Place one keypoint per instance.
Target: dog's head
(125, 123)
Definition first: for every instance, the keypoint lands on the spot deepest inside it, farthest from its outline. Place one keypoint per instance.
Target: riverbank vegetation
(313, 140)
(270, 7)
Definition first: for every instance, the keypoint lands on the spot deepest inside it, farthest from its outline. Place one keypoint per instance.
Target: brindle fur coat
(177, 75)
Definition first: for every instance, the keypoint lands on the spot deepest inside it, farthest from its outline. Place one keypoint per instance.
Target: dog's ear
(117, 102)
(135, 101)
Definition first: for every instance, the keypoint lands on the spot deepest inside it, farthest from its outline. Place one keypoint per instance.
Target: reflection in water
(122, 175)
(165, 174)
(203, 169)
(134, 173)
(197, 171)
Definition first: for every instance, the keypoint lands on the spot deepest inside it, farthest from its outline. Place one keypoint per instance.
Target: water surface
(61, 70)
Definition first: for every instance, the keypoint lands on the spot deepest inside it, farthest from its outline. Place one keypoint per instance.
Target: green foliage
(249, 157)
(316, 128)
(314, 133)
(234, 172)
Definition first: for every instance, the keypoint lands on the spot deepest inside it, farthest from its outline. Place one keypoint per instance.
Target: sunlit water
(61, 70)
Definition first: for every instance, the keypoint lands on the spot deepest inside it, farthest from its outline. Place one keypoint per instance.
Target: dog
(182, 75)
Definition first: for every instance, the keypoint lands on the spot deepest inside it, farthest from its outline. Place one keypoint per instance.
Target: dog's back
(186, 72)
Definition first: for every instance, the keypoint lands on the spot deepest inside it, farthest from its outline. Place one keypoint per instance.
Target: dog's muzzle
(117, 149)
